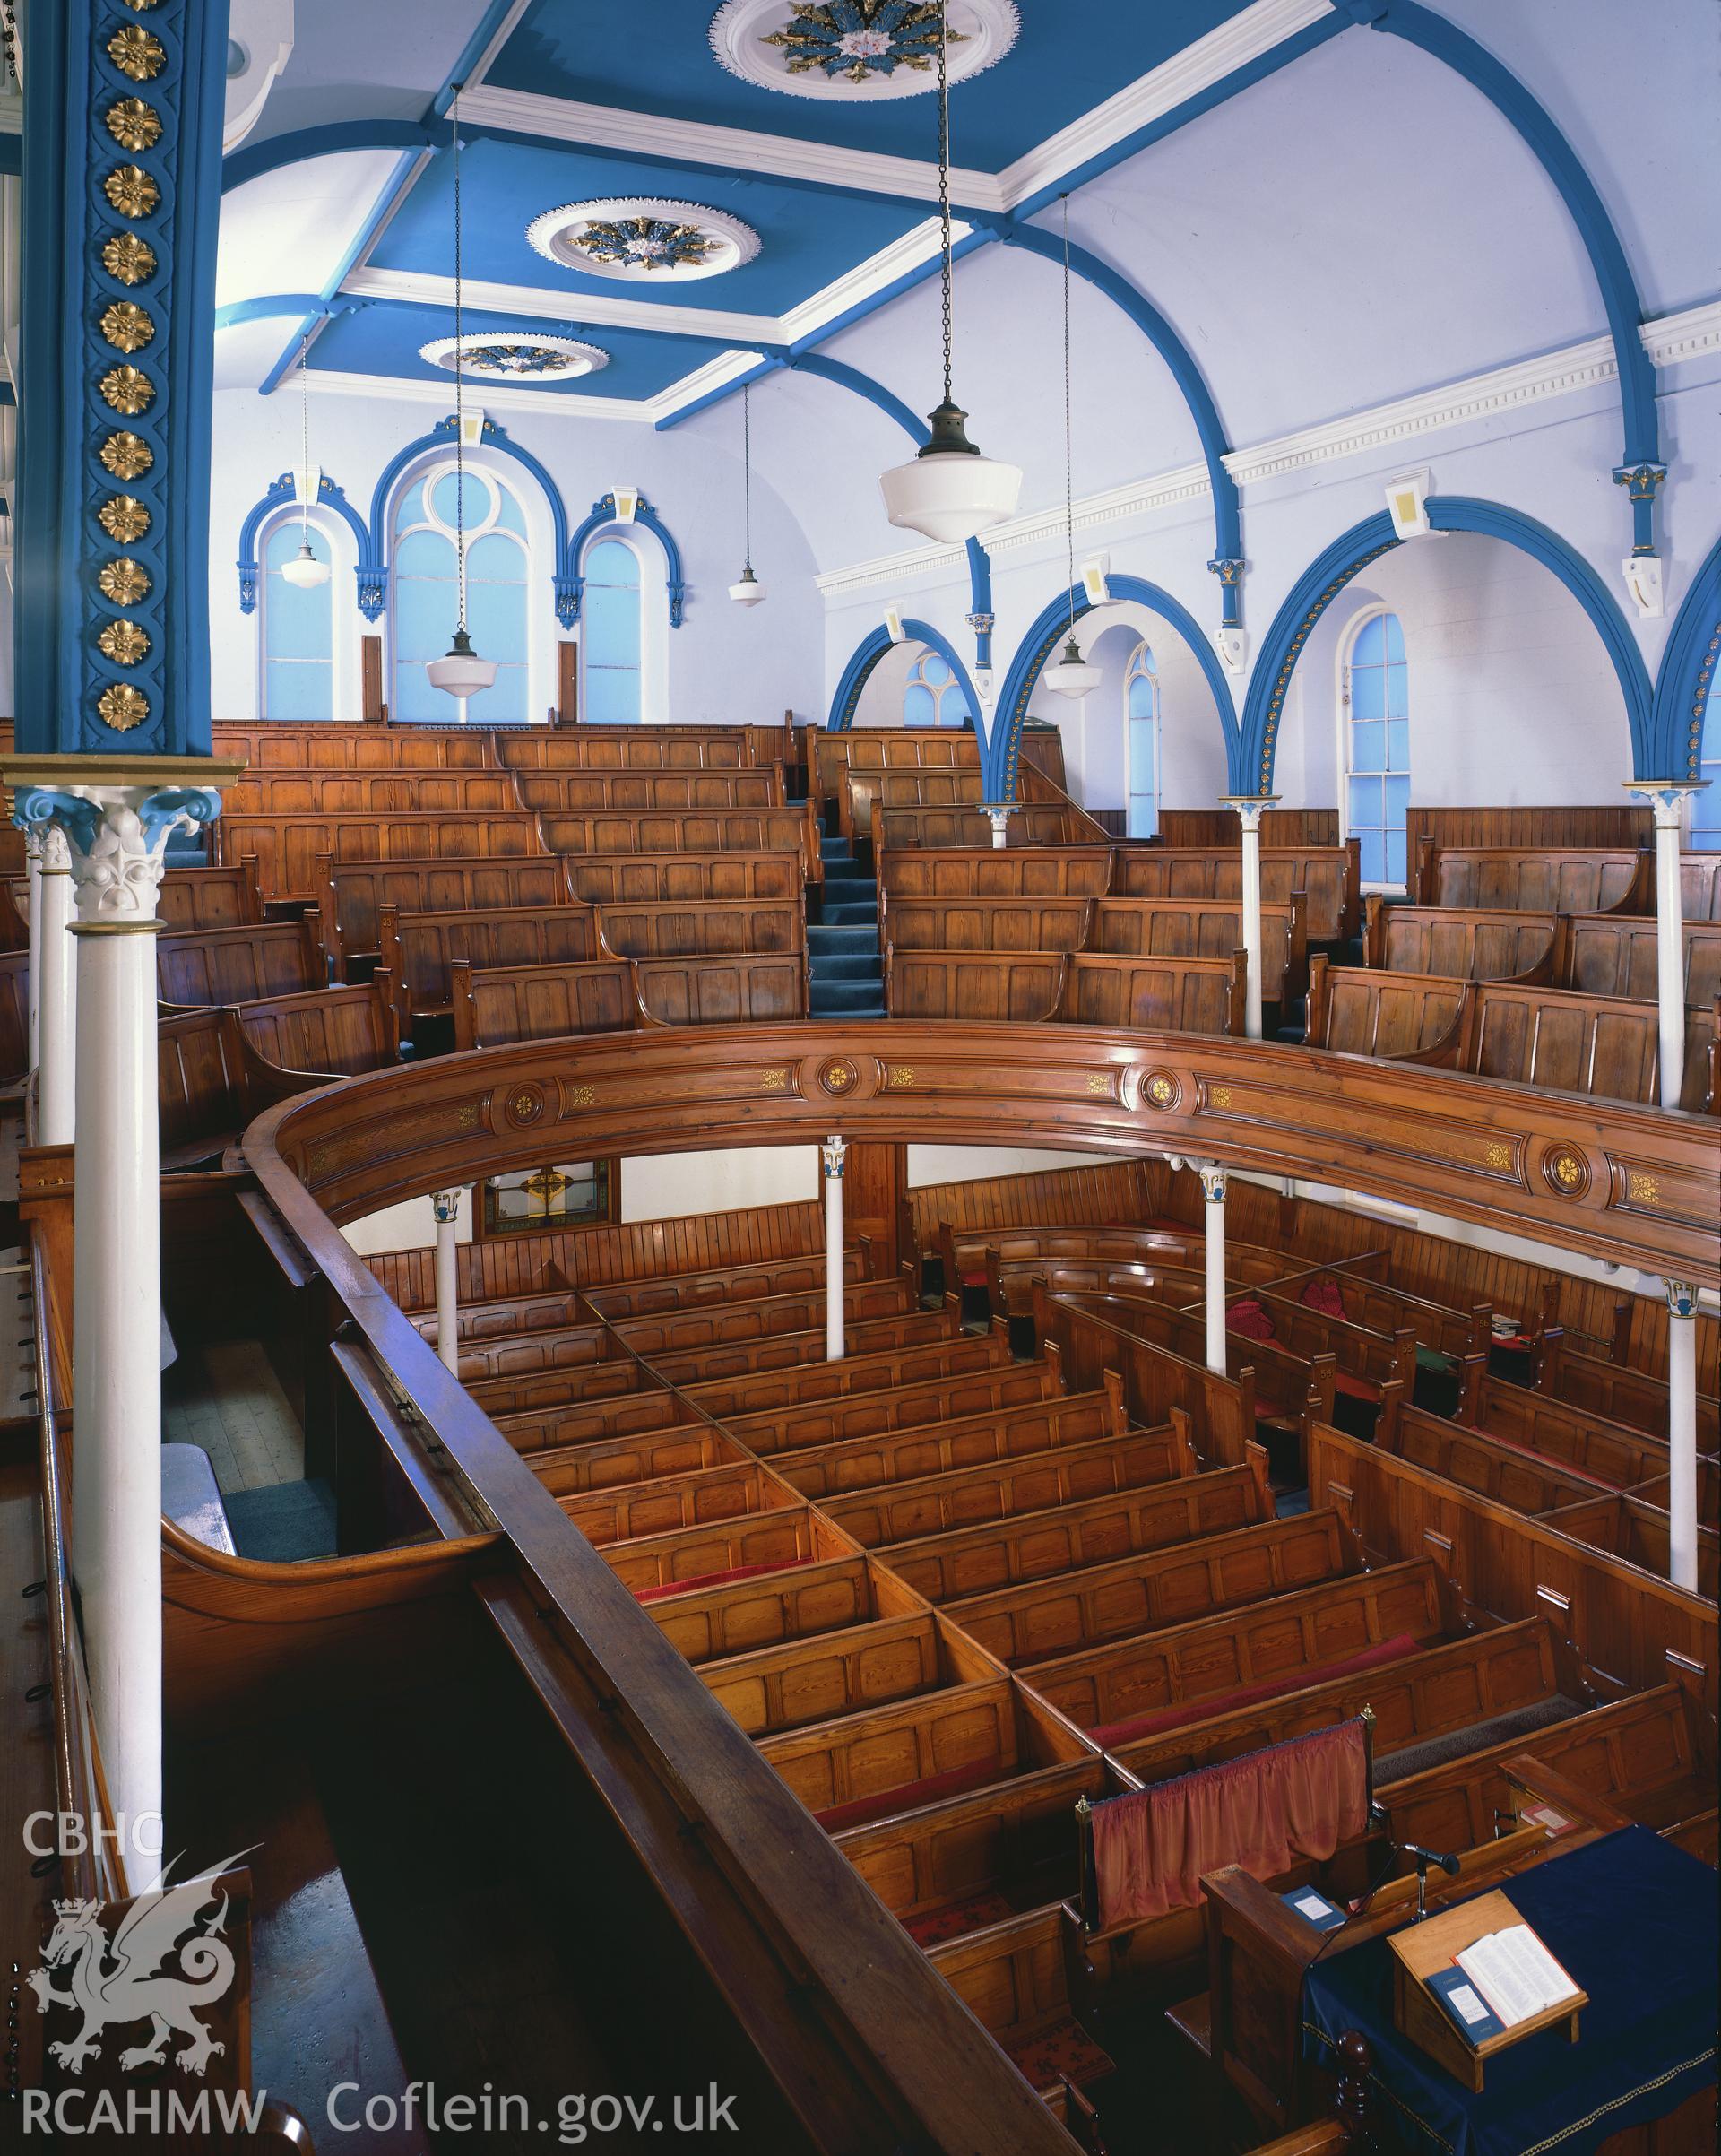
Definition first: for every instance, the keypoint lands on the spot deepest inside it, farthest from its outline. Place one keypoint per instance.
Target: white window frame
(343, 648)
(938, 690)
(1377, 610)
(654, 617)
(1133, 671)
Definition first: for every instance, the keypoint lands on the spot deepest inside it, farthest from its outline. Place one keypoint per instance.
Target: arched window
(1705, 808)
(426, 601)
(1141, 716)
(932, 694)
(610, 635)
(298, 628)
(1374, 688)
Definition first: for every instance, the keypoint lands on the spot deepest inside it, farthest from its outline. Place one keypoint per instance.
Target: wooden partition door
(567, 683)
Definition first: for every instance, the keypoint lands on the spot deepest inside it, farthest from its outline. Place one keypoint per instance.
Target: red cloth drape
(1301, 1798)
(1249, 1317)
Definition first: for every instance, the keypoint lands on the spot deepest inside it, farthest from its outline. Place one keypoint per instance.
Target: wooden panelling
(1556, 879)
(626, 748)
(651, 879)
(746, 1614)
(1328, 876)
(1217, 827)
(329, 1029)
(839, 1672)
(1620, 824)
(419, 950)
(287, 848)
(1360, 1011)
(689, 927)
(1699, 885)
(895, 1456)
(722, 990)
(1022, 989)
(373, 793)
(961, 827)
(867, 1755)
(1160, 995)
(1463, 946)
(193, 898)
(1193, 928)
(1565, 1042)
(1108, 1191)
(648, 793)
(1614, 955)
(985, 925)
(353, 893)
(495, 1005)
(989, 1389)
(987, 871)
(233, 964)
(274, 745)
(600, 831)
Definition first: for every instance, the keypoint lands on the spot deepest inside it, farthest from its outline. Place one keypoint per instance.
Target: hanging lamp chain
(459, 401)
(305, 441)
(944, 183)
(1070, 466)
(746, 476)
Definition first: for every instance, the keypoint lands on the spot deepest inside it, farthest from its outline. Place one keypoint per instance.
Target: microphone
(1448, 1864)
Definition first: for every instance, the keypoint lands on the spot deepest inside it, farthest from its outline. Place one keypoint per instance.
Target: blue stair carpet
(842, 944)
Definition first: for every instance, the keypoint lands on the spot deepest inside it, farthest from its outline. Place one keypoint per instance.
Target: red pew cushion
(739, 1571)
(861, 1811)
(1247, 1316)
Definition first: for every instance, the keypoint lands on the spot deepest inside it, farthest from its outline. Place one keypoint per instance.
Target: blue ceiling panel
(385, 340)
(653, 56)
(806, 240)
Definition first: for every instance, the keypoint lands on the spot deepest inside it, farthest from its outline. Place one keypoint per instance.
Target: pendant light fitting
(748, 591)
(1072, 676)
(305, 571)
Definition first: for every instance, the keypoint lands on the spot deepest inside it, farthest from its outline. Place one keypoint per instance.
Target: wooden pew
(894, 1456)
(1554, 879)
(988, 1389)
(1328, 875)
(1162, 994)
(634, 1511)
(1489, 1465)
(1464, 945)
(1614, 955)
(676, 879)
(985, 925)
(1358, 1010)
(371, 794)
(586, 747)
(1029, 825)
(1553, 1039)
(722, 989)
(895, 1368)
(671, 1291)
(1570, 1433)
(691, 1558)
(1631, 1526)
(194, 898)
(419, 951)
(966, 1563)
(274, 745)
(648, 793)
(1127, 1596)
(718, 1622)
(678, 1330)
(14, 1016)
(1013, 1977)
(850, 763)
(352, 893)
(599, 831)
(1364, 1360)
(493, 1005)
(1022, 987)
(987, 871)
(1584, 1401)
(289, 849)
(1362, 1287)
(209, 1085)
(872, 1335)
(329, 1030)
(1190, 928)
(1118, 1692)
(241, 964)
(771, 1689)
(1699, 887)
(897, 1758)
(704, 927)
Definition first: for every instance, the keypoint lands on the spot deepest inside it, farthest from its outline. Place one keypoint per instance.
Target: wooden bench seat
(785, 1686)
(704, 927)
(687, 879)
(1360, 1011)
(287, 849)
(633, 1512)
(599, 831)
(717, 1622)
(586, 748)
(893, 1759)
(494, 1005)
(1196, 928)
(1019, 988)
(1562, 1435)
(1699, 887)
(14, 1016)
(199, 898)
(335, 1031)
(558, 1347)
(1634, 1526)
(806, 1384)
(1614, 955)
(1463, 944)
(1363, 1294)
(960, 826)
(1554, 879)
(278, 745)
(647, 1410)
(764, 1316)
(934, 1504)
(958, 873)
(685, 1449)
(207, 1087)
(572, 1389)
(418, 951)
(894, 1457)
(985, 925)
(1328, 877)
(1158, 994)
(241, 964)
(352, 893)
(970, 1562)
(723, 988)
(1634, 1399)
(695, 1559)
(817, 1426)
(1173, 1582)
(672, 1289)
(373, 793)
(1121, 1690)
(648, 793)
(1012, 1978)
(1463, 1685)
(882, 1333)
(1364, 1359)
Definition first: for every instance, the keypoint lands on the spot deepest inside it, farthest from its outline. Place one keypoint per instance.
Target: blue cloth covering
(1633, 1920)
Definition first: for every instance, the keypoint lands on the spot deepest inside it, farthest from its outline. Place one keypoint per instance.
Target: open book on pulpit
(1476, 1978)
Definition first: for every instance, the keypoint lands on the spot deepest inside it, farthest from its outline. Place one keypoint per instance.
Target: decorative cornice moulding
(1588, 365)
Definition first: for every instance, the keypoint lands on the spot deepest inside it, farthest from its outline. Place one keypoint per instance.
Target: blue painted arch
(1687, 676)
(1050, 627)
(1332, 568)
(570, 584)
(278, 496)
(867, 654)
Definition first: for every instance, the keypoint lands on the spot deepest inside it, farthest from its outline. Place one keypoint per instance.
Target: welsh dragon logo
(118, 1983)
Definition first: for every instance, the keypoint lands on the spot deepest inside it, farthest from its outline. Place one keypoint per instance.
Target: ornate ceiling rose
(861, 50)
(517, 355)
(642, 239)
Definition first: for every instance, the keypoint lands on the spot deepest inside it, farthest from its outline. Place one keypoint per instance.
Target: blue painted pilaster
(121, 198)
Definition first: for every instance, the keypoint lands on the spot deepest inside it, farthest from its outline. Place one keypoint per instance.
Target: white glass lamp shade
(748, 592)
(950, 492)
(460, 671)
(1072, 676)
(305, 570)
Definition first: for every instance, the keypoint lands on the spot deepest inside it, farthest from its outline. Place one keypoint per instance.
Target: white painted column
(1000, 815)
(832, 1154)
(1682, 1433)
(1213, 1190)
(1249, 808)
(33, 869)
(1666, 798)
(57, 1086)
(445, 1204)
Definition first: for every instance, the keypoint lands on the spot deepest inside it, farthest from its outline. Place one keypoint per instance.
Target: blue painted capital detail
(1229, 569)
(40, 808)
(279, 496)
(116, 374)
(177, 808)
(1642, 483)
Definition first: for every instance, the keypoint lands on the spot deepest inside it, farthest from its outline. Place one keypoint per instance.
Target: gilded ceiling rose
(868, 49)
(519, 355)
(124, 642)
(128, 390)
(123, 518)
(641, 239)
(131, 190)
(124, 581)
(133, 124)
(122, 706)
(128, 258)
(127, 455)
(137, 53)
(126, 326)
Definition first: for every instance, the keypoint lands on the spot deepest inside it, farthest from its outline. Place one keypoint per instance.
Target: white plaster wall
(411, 1225)
(663, 1186)
(974, 1164)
